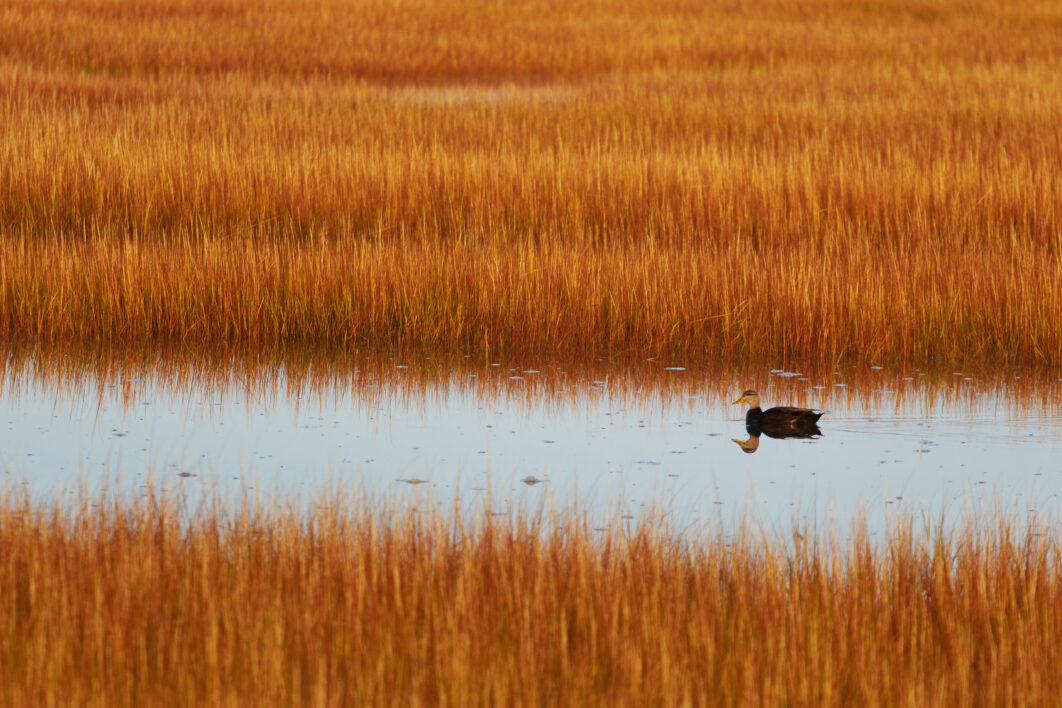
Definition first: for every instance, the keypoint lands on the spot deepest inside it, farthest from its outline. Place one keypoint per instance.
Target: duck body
(781, 417)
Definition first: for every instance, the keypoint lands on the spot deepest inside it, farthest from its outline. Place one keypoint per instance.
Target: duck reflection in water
(779, 422)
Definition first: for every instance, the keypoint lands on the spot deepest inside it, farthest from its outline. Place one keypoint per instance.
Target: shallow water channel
(618, 441)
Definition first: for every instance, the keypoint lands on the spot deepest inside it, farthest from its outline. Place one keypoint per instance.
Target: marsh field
(365, 352)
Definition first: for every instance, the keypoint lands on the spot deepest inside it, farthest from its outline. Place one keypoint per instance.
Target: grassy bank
(104, 602)
(816, 178)
(701, 303)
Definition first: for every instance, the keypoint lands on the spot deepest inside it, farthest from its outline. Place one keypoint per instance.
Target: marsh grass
(109, 601)
(706, 179)
(705, 303)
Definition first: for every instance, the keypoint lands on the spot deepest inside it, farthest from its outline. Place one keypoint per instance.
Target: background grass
(827, 179)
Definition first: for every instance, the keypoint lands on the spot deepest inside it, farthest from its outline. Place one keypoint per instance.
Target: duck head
(750, 397)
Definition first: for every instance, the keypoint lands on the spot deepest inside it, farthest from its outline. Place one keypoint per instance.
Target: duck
(780, 421)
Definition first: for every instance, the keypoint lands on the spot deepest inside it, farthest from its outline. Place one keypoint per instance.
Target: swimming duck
(783, 420)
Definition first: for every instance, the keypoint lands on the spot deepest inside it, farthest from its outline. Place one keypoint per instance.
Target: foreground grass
(105, 602)
(815, 178)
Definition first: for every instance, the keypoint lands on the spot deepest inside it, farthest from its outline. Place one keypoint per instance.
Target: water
(618, 440)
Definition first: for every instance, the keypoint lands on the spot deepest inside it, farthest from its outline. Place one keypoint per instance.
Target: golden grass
(707, 179)
(698, 304)
(108, 602)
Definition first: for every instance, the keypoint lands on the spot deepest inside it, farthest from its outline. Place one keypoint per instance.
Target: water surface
(614, 437)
